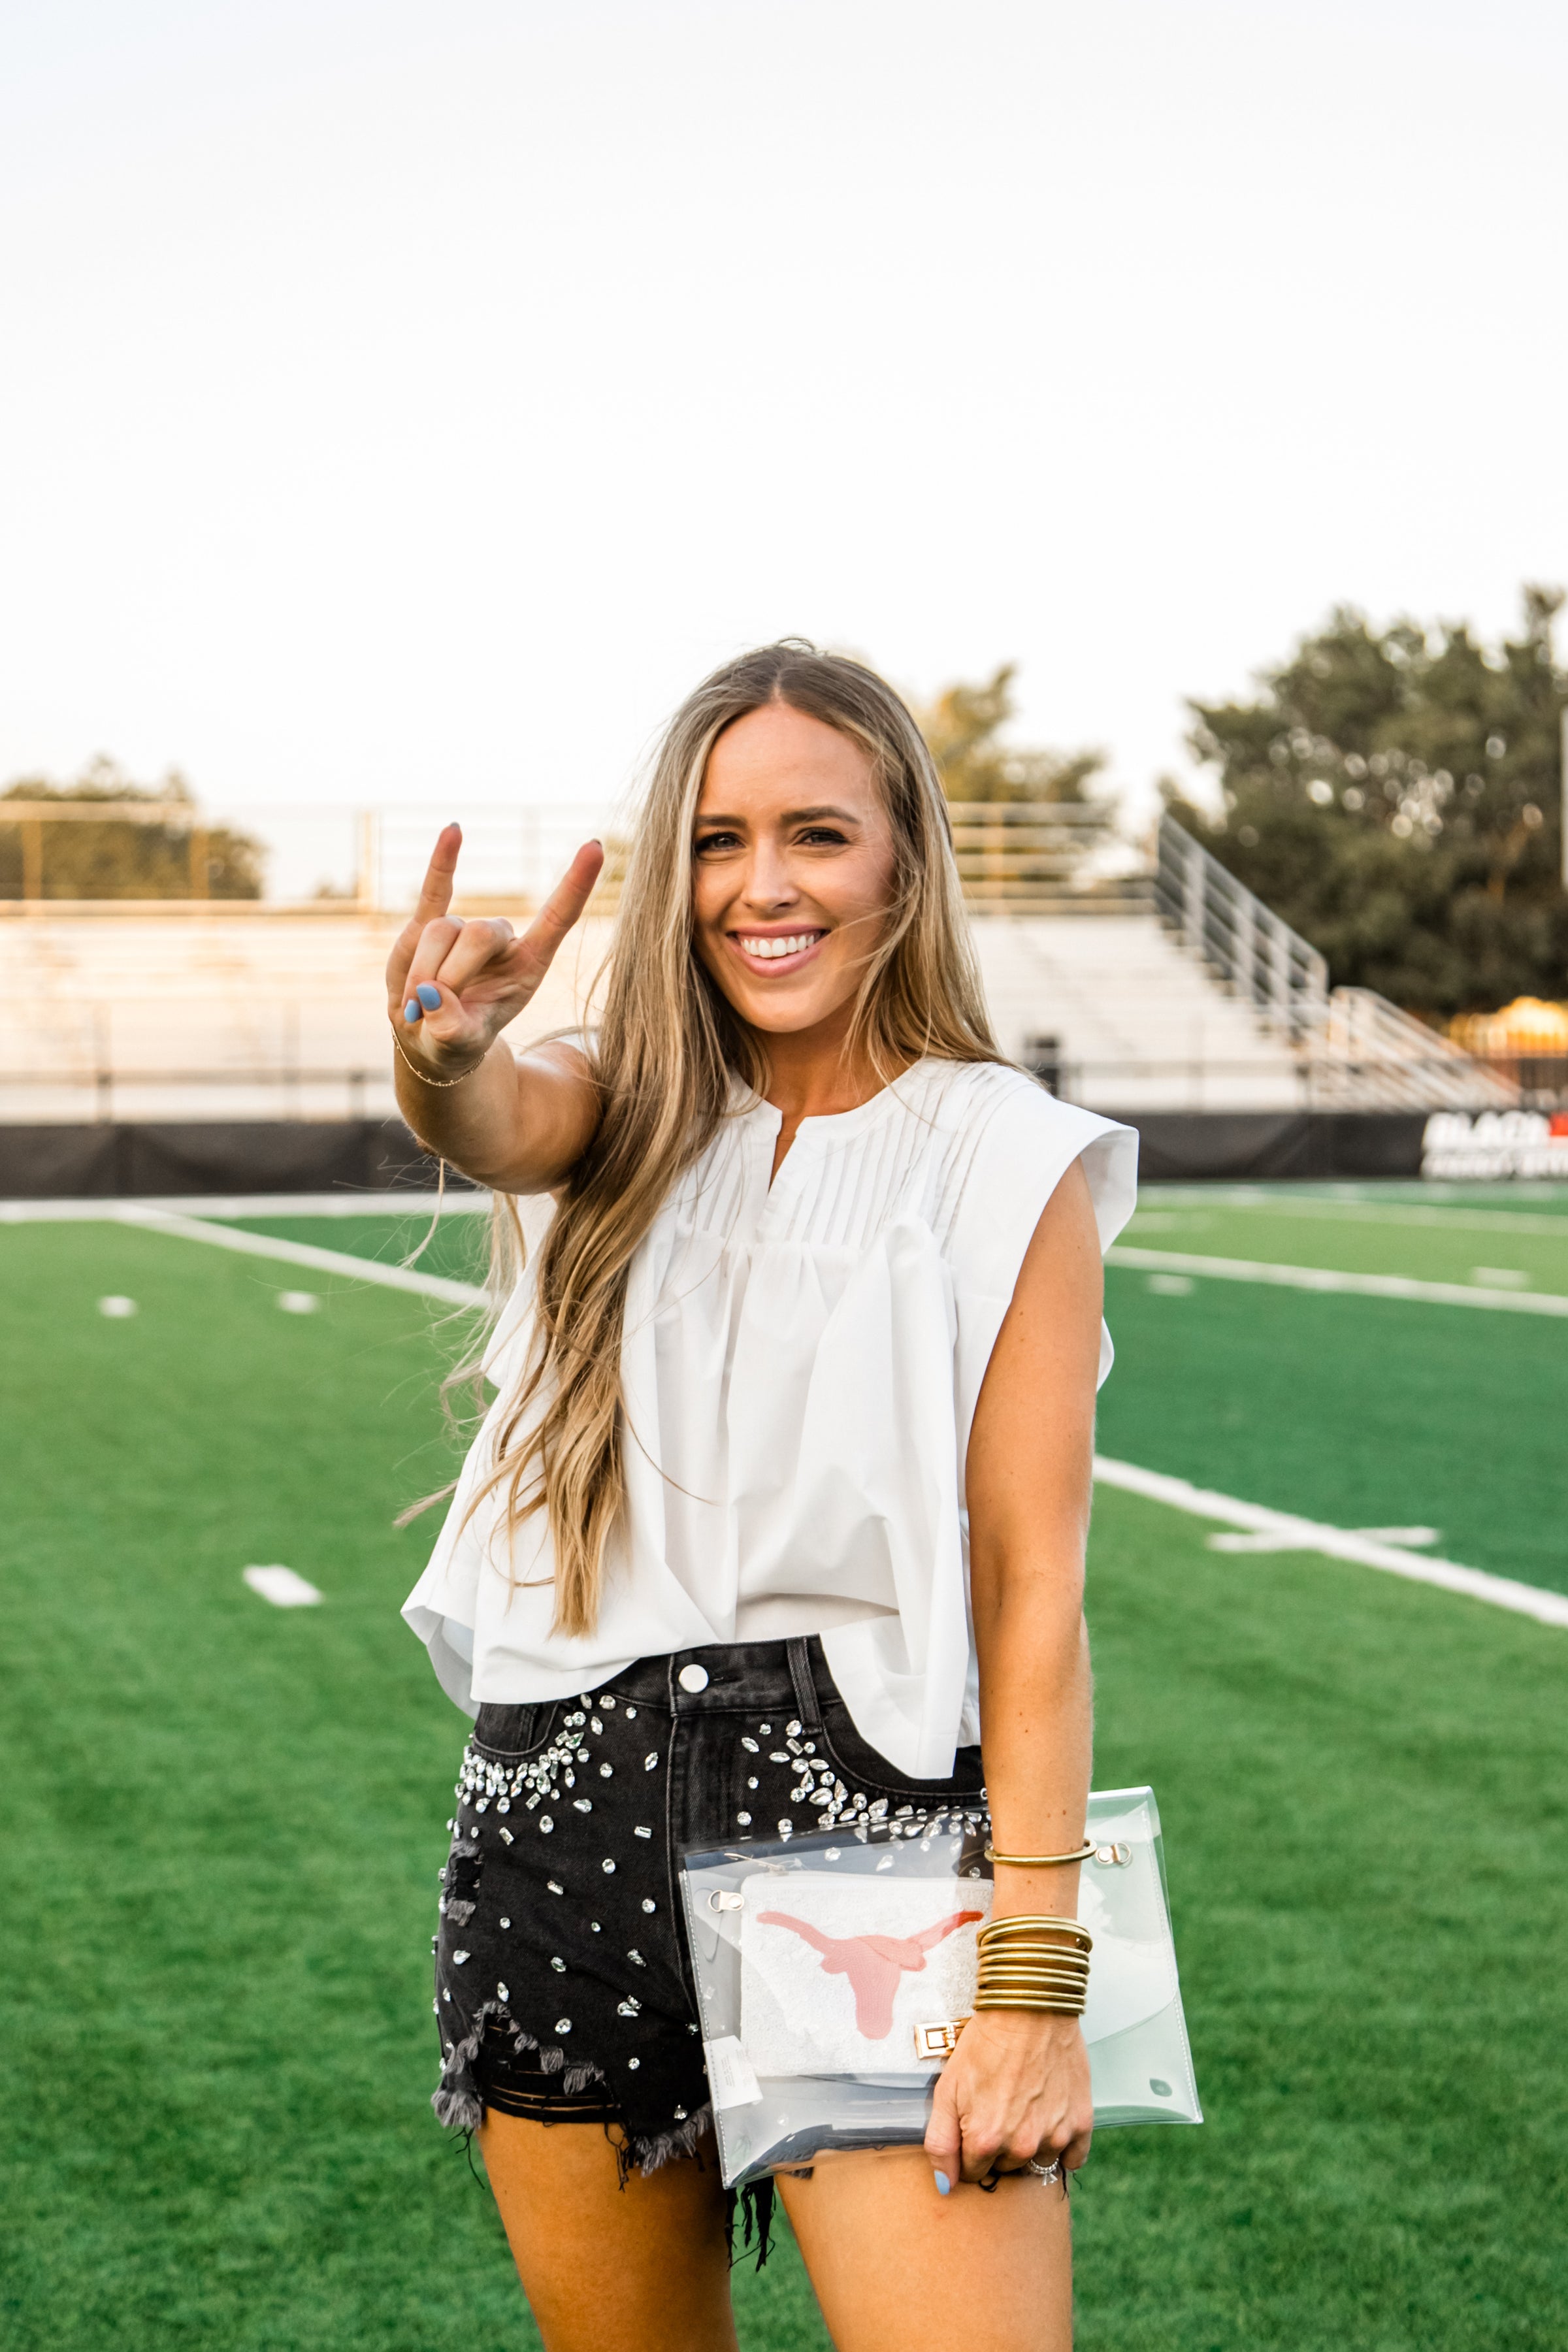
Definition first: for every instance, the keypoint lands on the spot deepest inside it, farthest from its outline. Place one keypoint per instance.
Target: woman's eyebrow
(789, 816)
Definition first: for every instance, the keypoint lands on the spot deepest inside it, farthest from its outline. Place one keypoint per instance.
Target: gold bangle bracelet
(1041, 1860)
(1034, 1923)
(424, 1075)
(1037, 2008)
(1036, 1998)
(1044, 1956)
(996, 1966)
(1033, 1976)
(1036, 1965)
(1046, 1987)
(1035, 1939)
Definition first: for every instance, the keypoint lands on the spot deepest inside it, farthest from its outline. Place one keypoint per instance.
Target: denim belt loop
(807, 1701)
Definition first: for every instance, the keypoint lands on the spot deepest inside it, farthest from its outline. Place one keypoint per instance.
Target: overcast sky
(411, 402)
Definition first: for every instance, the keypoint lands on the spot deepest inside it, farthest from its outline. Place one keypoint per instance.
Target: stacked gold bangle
(1034, 1961)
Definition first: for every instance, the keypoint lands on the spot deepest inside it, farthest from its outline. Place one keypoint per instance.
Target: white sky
(410, 403)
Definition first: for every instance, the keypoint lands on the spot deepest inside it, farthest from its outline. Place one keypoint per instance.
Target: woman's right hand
(452, 986)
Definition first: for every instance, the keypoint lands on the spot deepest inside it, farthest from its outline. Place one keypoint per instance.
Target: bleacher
(1171, 990)
(255, 1014)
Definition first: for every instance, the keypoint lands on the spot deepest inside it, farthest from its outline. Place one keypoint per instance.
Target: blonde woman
(778, 1517)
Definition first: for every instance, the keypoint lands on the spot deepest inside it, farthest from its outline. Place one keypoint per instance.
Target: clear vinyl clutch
(834, 1969)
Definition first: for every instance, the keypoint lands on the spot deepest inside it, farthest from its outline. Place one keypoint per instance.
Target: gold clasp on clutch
(1113, 1856)
(939, 2040)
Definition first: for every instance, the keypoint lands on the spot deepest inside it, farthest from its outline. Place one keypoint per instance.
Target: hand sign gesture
(452, 986)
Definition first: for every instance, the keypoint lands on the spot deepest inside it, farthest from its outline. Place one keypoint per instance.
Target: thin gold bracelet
(424, 1075)
(1042, 1861)
(1039, 1922)
(1069, 1938)
(1039, 2007)
(1031, 1968)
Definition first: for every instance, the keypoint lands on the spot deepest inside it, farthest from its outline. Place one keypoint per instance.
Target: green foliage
(125, 858)
(961, 727)
(1395, 797)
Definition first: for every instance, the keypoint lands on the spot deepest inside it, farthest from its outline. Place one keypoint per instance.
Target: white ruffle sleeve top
(800, 1365)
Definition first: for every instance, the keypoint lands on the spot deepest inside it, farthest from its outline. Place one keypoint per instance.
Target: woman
(790, 1456)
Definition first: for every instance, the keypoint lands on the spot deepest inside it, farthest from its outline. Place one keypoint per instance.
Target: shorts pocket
(864, 1767)
(508, 1735)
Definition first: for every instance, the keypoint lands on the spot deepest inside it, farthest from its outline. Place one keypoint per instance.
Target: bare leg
(600, 2265)
(899, 2269)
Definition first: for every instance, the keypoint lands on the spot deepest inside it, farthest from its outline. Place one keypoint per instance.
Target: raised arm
(519, 1122)
(1018, 2081)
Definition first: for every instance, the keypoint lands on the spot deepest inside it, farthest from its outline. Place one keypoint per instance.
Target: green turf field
(224, 1821)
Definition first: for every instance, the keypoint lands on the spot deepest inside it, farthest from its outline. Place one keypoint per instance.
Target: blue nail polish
(942, 2183)
(414, 1010)
(430, 998)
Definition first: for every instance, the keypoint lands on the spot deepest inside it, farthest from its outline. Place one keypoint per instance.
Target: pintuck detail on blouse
(800, 1368)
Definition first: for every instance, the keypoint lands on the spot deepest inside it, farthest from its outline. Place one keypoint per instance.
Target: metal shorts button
(693, 1677)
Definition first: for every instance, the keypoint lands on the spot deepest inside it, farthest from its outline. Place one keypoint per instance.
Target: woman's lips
(771, 953)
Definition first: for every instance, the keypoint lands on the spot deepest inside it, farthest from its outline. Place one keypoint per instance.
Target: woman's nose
(768, 880)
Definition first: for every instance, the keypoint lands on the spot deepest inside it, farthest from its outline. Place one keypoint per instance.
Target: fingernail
(414, 1010)
(430, 998)
(942, 2183)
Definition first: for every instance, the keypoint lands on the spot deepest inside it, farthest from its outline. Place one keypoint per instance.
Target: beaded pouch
(836, 1969)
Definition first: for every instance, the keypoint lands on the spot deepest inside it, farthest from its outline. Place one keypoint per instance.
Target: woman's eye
(817, 835)
(709, 841)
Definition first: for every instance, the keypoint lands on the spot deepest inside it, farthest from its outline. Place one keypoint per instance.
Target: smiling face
(793, 868)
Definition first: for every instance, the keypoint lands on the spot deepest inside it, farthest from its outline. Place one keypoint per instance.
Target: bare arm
(1018, 2082)
(518, 1122)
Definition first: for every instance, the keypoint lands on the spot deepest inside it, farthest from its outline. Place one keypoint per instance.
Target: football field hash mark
(282, 1587)
(1285, 1531)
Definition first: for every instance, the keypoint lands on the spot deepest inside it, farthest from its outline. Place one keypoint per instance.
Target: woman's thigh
(646, 2265)
(899, 2269)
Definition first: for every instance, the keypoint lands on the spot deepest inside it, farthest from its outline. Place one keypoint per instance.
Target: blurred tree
(120, 858)
(1396, 797)
(961, 726)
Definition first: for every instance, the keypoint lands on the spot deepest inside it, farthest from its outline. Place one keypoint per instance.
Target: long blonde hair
(667, 1053)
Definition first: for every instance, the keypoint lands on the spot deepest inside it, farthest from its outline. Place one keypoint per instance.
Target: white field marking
(1172, 1286)
(1273, 1540)
(323, 1261)
(298, 1302)
(1369, 1212)
(281, 1587)
(1500, 1277)
(117, 1308)
(1317, 1277)
(252, 1204)
(1363, 1545)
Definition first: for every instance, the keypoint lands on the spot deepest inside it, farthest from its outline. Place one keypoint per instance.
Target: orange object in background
(1528, 1027)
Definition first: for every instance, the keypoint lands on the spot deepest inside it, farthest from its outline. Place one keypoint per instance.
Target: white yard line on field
(252, 1204)
(1287, 1533)
(1317, 1277)
(323, 1261)
(156, 1216)
(1369, 1212)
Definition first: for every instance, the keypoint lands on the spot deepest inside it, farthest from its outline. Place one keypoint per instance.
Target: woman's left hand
(1015, 2090)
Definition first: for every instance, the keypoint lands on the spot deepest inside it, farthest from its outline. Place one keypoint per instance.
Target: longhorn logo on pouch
(873, 1964)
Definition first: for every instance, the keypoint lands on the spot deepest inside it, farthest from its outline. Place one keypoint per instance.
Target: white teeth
(770, 947)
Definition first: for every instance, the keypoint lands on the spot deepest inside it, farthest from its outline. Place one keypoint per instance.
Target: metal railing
(1246, 946)
(1356, 1051)
(1364, 1052)
(1012, 855)
(1016, 854)
(353, 1091)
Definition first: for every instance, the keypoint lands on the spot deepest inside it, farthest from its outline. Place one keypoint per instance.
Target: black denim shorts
(563, 1985)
